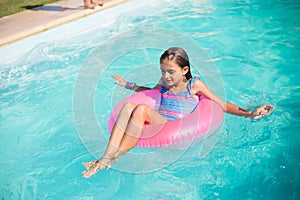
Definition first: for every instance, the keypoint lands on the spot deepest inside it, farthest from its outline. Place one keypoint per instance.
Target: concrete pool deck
(30, 22)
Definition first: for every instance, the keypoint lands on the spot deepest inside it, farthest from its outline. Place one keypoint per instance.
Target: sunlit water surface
(253, 44)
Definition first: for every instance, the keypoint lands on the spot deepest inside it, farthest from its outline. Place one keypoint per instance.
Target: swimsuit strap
(164, 89)
(175, 105)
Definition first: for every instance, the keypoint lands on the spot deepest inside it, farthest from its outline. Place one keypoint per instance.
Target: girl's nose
(166, 75)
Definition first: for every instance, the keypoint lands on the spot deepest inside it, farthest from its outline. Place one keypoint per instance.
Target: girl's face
(172, 73)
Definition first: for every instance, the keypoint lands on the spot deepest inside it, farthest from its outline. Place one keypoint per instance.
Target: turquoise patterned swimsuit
(174, 106)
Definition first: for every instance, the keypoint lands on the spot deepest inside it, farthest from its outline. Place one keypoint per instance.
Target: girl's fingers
(116, 76)
(263, 111)
(120, 81)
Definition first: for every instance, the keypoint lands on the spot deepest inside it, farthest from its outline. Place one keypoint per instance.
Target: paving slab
(27, 23)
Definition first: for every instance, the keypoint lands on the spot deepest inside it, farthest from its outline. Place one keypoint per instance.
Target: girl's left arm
(200, 88)
(137, 88)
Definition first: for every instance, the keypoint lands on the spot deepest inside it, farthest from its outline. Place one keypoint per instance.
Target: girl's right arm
(137, 88)
(200, 88)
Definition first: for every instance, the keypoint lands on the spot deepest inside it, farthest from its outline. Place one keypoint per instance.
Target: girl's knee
(141, 110)
(128, 106)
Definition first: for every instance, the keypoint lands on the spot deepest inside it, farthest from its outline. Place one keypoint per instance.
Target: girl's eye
(169, 72)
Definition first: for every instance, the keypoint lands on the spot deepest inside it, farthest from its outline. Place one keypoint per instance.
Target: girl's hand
(121, 81)
(262, 111)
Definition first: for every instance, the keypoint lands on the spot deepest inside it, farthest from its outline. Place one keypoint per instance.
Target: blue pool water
(47, 129)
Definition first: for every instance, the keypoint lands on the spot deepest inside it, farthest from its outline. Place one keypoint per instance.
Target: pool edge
(39, 28)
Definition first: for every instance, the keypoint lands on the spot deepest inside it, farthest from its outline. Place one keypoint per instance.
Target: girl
(176, 80)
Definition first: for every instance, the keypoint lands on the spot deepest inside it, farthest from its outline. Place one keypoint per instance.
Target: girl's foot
(96, 2)
(88, 165)
(89, 5)
(95, 166)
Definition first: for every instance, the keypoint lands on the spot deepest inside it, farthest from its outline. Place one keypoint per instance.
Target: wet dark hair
(178, 55)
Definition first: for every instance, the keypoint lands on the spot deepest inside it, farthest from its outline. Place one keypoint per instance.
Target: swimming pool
(255, 49)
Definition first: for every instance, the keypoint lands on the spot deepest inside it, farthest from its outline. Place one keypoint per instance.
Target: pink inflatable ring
(197, 126)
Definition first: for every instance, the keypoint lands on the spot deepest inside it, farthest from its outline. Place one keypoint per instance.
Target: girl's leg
(130, 123)
(119, 129)
(141, 114)
(118, 132)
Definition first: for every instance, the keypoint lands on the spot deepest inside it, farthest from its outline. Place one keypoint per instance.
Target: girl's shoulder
(195, 80)
(192, 87)
(196, 85)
